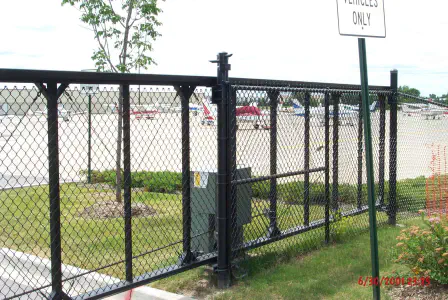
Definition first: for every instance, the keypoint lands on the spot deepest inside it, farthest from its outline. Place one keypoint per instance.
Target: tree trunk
(119, 141)
(120, 105)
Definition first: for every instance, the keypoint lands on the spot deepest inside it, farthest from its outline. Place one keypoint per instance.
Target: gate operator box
(204, 204)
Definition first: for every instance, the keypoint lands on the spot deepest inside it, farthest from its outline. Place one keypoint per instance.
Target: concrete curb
(146, 292)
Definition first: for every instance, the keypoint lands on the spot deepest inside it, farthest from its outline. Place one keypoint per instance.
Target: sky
(282, 39)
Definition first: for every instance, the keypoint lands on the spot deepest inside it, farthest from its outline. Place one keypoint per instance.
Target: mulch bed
(114, 209)
(433, 292)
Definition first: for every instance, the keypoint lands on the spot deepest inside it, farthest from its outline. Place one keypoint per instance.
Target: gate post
(393, 99)
(220, 96)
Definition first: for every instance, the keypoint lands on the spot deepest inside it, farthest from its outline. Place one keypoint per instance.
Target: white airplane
(244, 114)
(421, 109)
(347, 113)
(62, 113)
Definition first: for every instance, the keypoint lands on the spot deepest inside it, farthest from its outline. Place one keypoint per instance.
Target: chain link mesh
(92, 217)
(421, 172)
(280, 197)
(287, 199)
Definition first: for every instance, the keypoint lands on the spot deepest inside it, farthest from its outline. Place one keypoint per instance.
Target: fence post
(127, 181)
(382, 151)
(327, 167)
(360, 150)
(185, 93)
(335, 191)
(221, 98)
(54, 191)
(306, 192)
(273, 228)
(393, 99)
(89, 136)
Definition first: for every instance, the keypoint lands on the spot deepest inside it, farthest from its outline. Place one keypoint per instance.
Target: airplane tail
(296, 104)
(208, 111)
(373, 106)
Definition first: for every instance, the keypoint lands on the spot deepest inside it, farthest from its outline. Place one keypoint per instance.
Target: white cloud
(283, 39)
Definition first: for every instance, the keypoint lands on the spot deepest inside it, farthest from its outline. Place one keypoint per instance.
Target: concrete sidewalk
(21, 272)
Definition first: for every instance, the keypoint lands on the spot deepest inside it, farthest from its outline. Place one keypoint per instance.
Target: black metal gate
(300, 167)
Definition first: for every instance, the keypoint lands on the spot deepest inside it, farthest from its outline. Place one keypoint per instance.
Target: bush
(157, 182)
(342, 226)
(290, 192)
(261, 190)
(410, 192)
(425, 250)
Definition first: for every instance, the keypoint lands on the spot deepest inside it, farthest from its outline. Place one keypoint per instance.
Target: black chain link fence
(288, 149)
(294, 175)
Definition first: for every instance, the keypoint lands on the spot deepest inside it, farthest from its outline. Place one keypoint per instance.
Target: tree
(124, 31)
(433, 96)
(409, 91)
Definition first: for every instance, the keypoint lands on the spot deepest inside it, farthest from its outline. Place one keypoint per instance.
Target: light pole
(89, 89)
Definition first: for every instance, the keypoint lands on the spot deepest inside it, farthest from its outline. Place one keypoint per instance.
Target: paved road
(17, 181)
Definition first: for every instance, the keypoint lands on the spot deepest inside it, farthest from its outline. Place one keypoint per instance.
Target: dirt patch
(203, 288)
(432, 292)
(113, 209)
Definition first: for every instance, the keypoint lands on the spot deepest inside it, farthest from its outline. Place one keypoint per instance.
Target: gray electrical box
(204, 197)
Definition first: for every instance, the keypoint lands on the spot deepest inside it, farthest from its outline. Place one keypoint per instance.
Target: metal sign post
(369, 165)
(365, 18)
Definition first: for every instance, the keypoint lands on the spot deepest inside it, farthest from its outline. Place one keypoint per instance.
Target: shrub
(411, 194)
(261, 190)
(290, 192)
(425, 250)
(341, 226)
(158, 182)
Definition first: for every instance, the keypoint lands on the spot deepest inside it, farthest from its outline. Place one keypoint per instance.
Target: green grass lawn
(94, 243)
(90, 243)
(331, 272)
(286, 269)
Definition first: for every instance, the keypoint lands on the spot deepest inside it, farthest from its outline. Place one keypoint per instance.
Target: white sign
(365, 18)
(89, 88)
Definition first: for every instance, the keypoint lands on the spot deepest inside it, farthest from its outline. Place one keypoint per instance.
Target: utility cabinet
(204, 197)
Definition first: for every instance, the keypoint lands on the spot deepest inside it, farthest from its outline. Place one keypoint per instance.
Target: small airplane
(244, 114)
(138, 111)
(347, 113)
(421, 109)
(143, 112)
(62, 113)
